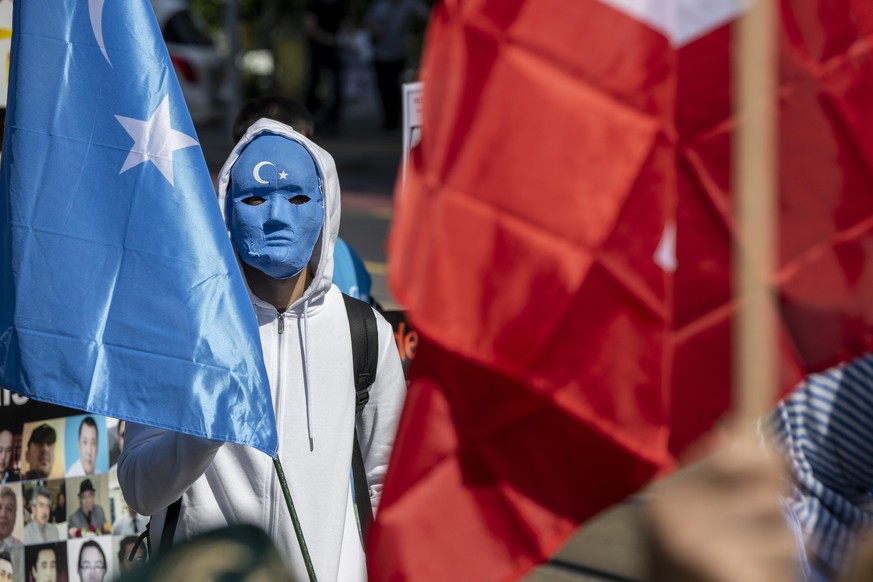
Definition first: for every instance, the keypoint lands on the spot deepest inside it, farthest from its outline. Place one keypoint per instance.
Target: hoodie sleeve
(157, 466)
(378, 421)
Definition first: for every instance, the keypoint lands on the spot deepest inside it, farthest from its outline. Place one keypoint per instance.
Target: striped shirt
(825, 428)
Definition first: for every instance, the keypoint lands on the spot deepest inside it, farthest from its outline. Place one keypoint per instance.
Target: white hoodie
(309, 364)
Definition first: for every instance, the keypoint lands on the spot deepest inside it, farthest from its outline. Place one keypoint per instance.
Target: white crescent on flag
(95, 10)
(681, 21)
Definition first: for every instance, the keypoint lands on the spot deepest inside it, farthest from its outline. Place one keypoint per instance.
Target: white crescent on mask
(95, 11)
(256, 172)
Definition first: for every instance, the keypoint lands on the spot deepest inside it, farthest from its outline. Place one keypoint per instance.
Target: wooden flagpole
(754, 163)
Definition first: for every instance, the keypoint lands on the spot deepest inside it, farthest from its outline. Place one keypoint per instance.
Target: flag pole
(301, 541)
(754, 255)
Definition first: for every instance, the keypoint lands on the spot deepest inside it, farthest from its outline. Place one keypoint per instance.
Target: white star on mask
(154, 140)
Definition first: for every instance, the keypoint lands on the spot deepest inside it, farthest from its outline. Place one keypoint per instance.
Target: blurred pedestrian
(390, 23)
(274, 107)
(321, 24)
(359, 77)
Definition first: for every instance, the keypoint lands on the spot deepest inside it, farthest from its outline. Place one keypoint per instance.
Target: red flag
(562, 245)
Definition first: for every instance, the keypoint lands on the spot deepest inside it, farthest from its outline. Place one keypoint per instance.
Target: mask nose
(277, 208)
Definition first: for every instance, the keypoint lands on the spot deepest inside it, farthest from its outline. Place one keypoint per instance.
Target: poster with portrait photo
(10, 451)
(91, 559)
(87, 506)
(86, 446)
(12, 564)
(11, 515)
(123, 546)
(115, 431)
(46, 562)
(55, 451)
(40, 500)
(43, 455)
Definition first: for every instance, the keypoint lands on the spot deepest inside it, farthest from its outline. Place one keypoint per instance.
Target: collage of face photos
(62, 514)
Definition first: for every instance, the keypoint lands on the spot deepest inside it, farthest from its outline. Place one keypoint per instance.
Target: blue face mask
(275, 205)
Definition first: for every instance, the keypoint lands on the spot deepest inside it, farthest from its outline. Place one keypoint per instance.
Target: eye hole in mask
(296, 200)
(253, 200)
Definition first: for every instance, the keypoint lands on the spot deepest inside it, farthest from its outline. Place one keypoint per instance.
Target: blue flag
(119, 290)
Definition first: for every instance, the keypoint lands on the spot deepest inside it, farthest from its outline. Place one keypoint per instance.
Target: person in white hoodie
(281, 199)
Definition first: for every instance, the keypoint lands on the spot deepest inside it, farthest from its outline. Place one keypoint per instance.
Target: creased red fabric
(562, 143)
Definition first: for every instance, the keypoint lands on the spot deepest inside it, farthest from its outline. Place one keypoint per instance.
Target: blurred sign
(412, 93)
(405, 337)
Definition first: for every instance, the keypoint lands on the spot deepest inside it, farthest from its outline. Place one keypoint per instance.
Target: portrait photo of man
(9, 520)
(89, 515)
(125, 547)
(117, 443)
(39, 530)
(129, 523)
(90, 559)
(7, 571)
(40, 453)
(86, 448)
(46, 563)
(9, 455)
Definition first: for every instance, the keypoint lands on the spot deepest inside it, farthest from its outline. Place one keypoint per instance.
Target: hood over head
(321, 263)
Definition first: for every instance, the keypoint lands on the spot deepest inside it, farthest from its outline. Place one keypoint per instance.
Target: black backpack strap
(365, 348)
(362, 490)
(365, 357)
(169, 531)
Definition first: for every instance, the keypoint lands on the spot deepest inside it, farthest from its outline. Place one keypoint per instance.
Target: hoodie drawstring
(306, 383)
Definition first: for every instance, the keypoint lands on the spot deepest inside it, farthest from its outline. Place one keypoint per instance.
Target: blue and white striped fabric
(825, 428)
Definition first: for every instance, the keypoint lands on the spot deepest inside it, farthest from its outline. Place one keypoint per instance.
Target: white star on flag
(283, 174)
(154, 140)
